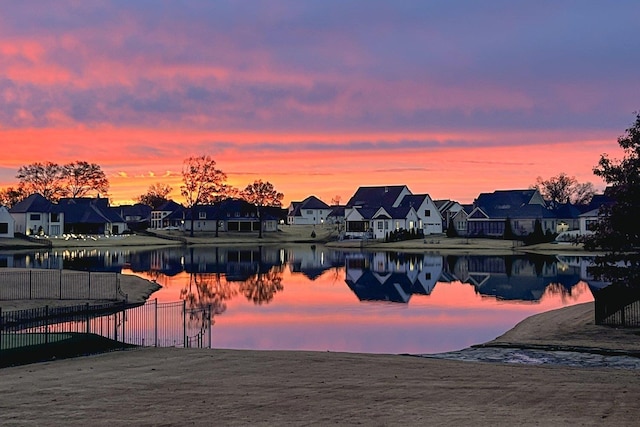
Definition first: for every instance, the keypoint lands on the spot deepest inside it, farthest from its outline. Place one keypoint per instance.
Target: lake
(310, 297)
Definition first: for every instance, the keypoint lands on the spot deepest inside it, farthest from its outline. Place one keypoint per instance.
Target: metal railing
(33, 284)
(53, 332)
(617, 306)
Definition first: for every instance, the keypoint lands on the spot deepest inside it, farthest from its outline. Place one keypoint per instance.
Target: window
(34, 217)
(202, 215)
(309, 212)
(380, 226)
(427, 212)
(55, 217)
(4, 227)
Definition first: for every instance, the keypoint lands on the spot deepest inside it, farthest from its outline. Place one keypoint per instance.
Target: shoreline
(240, 387)
(325, 235)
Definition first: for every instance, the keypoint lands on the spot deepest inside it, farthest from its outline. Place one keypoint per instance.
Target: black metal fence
(22, 284)
(617, 306)
(43, 333)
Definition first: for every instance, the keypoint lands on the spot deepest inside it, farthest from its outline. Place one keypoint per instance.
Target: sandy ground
(226, 387)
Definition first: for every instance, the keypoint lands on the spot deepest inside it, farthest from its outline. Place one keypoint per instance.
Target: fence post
(124, 315)
(46, 323)
(184, 322)
(156, 323)
(88, 328)
(60, 283)
(89, 296)
(30, 284)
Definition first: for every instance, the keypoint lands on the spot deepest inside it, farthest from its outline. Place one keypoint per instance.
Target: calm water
(309, 297)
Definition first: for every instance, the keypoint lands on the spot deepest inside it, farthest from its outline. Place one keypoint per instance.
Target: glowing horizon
(450, 99)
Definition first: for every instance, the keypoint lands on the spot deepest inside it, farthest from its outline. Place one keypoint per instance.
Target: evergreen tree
(617, 231)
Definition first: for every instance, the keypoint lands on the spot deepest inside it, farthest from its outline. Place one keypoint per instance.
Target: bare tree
(12, 195)
(562, 189)
(82, 178)
(203, 183)
(335, 201)
(157, 194)
(42, 178)
(262, 194)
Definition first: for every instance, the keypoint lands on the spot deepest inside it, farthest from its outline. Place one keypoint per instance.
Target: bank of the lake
(324, 234)
(229, 387)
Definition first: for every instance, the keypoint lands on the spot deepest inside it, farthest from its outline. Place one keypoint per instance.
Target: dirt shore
(227, 387)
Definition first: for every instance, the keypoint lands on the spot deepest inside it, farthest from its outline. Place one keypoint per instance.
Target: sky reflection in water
(442, 303)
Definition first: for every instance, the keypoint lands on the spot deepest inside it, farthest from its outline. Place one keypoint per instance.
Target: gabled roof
(139, 210)
(513, 204)
(33, 203)
(506, 199)
(170, 206)
(312, 202)
(414, 200)
(566, 211)
(88, 211)
(445, 205)
(376, 196)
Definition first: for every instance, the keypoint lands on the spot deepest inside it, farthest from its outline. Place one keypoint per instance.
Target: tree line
(202, 184)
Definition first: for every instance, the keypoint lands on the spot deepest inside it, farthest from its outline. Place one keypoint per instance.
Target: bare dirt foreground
(227, 387)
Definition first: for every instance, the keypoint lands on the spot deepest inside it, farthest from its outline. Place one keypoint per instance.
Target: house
(373, 212)
(84, 215)
(587, 220)
(567, 217)
(429, 218)
(310, 211)
(459, 220)
(229, 215)
(137, 217)
(522, 207)
(37, 215)
(169, 215)
(7, 223)
(448, 209)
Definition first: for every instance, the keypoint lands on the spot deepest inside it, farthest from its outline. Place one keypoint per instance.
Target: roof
(566, 210)
(414, 200)
(312, 202)
(88, 211)
(170, 206)
(376, 196)
(33, 203)
(505, 199)
(337, 211)
(138, 210)
(513, 204)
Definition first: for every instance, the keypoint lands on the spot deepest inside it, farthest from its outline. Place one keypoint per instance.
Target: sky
(319, 97)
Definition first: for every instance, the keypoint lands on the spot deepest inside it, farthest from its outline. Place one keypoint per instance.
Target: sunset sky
(319, 97)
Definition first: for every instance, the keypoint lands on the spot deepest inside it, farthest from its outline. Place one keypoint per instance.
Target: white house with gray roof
(310, 211)
(375, 211)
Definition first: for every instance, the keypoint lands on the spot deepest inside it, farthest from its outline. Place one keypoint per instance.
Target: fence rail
(46, 332)
(617, 306)
(23, 284)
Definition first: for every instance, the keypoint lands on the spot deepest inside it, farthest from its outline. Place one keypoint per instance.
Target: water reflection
(316, 298)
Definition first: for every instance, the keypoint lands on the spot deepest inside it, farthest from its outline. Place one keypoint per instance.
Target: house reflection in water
(396, 277)
(389, 276)
(312, 261)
